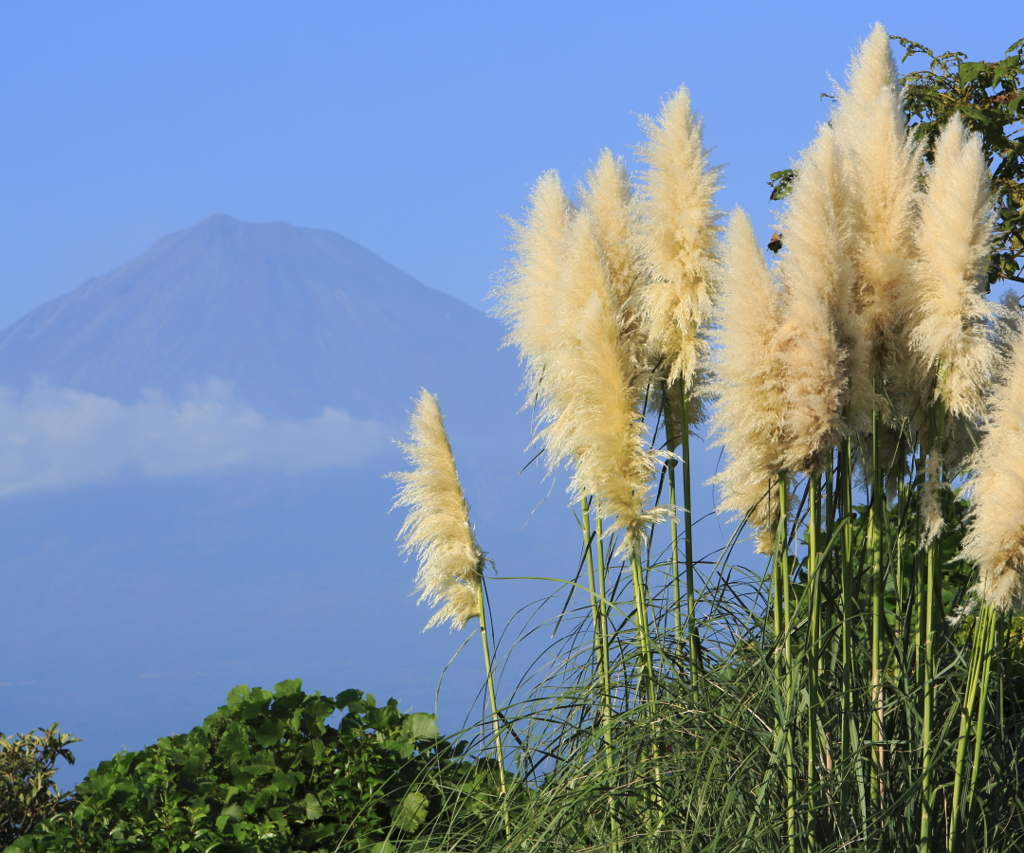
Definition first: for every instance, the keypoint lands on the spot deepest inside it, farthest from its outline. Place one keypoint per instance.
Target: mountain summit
(294, 319)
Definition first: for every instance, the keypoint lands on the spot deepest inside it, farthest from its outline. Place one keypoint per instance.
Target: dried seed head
(437, 529)
(528, 297)
(678, 235)
(593, 411)
(995, 542)
(947, 313)
(750, 419)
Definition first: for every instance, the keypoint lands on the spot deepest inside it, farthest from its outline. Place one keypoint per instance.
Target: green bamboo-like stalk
(671, 462)
(930, 597)
(813, 652)
(846, 593)
(642, 624)
(875, 522)
(598, 609)
(988, 642)
(785, 666)
(927, 616)
(696, 662)
(976, 691)
(482, 602)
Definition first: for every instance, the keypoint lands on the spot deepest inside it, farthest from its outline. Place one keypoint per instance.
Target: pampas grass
(750, 418)
(817, 279)
(949, 316)
(437, 529)
(528, 297)
(881, 170)
(996, 539)
(593, 413)
(813, 702)
(678, 237)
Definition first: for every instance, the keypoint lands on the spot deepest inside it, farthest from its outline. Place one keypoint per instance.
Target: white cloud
(56, 437)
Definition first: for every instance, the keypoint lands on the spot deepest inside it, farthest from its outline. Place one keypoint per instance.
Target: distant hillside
(160, 549)
(295, 319)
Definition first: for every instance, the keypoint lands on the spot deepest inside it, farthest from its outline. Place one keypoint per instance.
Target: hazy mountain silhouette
(137, 600)
(295, 319)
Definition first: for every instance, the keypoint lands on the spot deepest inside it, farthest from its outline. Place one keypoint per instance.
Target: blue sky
(408, 127)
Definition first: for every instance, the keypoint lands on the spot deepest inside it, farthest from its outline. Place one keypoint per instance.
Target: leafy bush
(266, 772)
(28, 794)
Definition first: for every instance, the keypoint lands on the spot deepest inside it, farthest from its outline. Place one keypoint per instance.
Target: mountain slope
(295, 319)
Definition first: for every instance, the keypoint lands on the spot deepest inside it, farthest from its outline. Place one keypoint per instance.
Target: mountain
(146, 574)
(295, 319)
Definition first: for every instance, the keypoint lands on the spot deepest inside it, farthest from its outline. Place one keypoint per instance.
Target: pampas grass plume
(881, 166)
(750, 419)
(678, 235)
(594, 393)
(995, 541)
(437, 529)
(528, 297)
(817, 279)
(608, 195)
(948, 312)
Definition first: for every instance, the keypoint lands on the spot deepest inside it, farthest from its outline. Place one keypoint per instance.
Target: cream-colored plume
(608, 195)
(678, 236)
(593, 397)
(948, 315)
(817, 279)
(528, 298)
(880, 173)
(437, 529)
(995, 541)
(750, 419)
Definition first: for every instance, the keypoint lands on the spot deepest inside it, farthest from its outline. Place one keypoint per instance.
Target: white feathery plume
(817, 280)
(881, 170)
(593, 404)
(995, 542)
(437, 529)
(608, 195)
(528, 297)
(678, 236)
(750, 418)
(948, 315)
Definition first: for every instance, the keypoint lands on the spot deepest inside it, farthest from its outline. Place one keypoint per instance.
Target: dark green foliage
(989, 97)
(267, 772)
(28, 794)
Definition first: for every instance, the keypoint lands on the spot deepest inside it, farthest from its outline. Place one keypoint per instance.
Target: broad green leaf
(289, 687)
(422, 726)
(411, 811)
(969, 72)
(270, 732)
(312, 806)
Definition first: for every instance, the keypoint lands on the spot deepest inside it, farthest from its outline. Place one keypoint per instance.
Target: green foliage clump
(28, 794)
(267, 772)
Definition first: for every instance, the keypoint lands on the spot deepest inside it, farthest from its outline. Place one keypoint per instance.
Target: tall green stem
(976, 693)
(670, 443)
(813, 651)
(875, 522)
(691, 600)
(481, 601)
(782, 577)
(598, 610)
(642, 624)
(931, 599)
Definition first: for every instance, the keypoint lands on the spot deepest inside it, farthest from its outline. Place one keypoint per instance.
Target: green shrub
(28, 794)
(266, 772)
